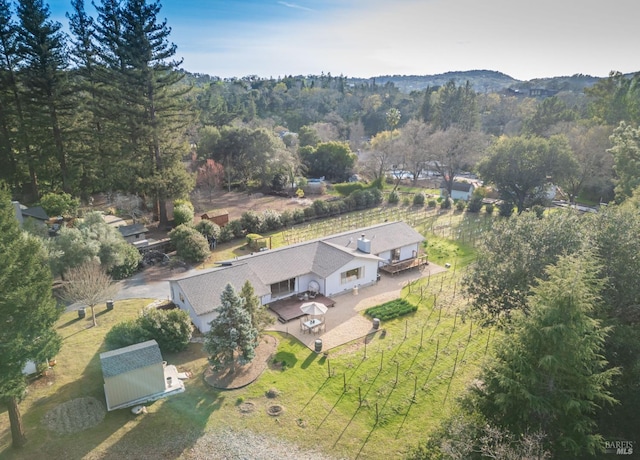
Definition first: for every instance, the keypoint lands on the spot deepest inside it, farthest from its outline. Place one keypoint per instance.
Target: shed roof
(133, 229)
(129, 358)
(37, 212)
(214, 213)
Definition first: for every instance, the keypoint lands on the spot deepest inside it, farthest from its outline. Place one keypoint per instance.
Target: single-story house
(330, 266)
(461, 190)
(136, 375)
(217, 216)
(133, 233)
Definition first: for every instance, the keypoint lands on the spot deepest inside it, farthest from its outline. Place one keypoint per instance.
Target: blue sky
(365, 38)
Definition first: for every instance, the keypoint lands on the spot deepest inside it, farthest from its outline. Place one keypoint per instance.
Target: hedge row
(391, 310)
(270, 220)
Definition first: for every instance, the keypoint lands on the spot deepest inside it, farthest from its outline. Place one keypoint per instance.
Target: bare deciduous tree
(88, 284)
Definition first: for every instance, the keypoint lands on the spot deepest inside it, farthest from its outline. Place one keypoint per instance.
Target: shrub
(250, 222)
(181, 202)
(189, 243)
(271, 220)
(460, 205)
(286, 218)
(406, 201)
(235, 226)
(377, 184)
(488, 208)
(298, 216)
(309, 213)
(170, 328)
(347, 188)
(226, 234)
(418, 199)
(445, 203)
(359, 199)
(376, 195)
(208, 229)
(391, 310)
(505, 209)
(59, 204)
(393, 198)
(475, 203)
(125, 334)
(131, 259)
(182, 214)
(539, 210)
(432, 204)
(321, 208)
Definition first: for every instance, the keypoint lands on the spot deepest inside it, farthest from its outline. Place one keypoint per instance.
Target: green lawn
(369, 399)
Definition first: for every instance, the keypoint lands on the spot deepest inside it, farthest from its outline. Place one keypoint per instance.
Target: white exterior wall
(406, 252)
(458, 195)
(409, 252)
(333, 284)
(201, 322)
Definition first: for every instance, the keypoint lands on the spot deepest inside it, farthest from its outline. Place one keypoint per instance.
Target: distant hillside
(481, 80)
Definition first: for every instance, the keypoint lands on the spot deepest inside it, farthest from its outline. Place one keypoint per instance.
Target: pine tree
(549, 374)
(260, 317)
(232, 333)
(28, 312)
(139, 70)
(42, 50)
(17, 152)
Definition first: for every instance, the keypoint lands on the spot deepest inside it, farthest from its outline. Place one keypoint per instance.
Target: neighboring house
(332, 265)
(136, 375)
(460, 190)
(23, 213)
(133, 233)
(217, 216)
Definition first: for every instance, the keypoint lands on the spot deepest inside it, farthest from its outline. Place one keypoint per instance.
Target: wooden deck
(289, 308)
(417, 262)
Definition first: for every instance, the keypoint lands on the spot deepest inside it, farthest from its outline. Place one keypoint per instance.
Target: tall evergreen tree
(42, 50)
(28, 312)
(549, 373)
(16, 154)
(232, 332)
(137, 55)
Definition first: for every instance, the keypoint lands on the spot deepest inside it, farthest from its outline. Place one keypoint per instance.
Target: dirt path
(237, 203)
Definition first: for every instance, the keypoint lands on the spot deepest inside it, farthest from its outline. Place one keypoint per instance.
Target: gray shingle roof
(320, 257)
(129, 358)
(133, 229)
(37, 212)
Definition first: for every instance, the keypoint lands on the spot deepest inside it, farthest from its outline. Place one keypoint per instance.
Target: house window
(283, 288)
(351, 275)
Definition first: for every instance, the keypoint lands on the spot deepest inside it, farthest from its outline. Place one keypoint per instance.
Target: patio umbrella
(313, 308)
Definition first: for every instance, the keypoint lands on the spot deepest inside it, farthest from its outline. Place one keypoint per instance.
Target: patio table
(312, 323)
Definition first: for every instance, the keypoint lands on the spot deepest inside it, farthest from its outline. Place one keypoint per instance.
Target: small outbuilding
(461, 190)
(133, 232)
(217, 216)
(136, 375)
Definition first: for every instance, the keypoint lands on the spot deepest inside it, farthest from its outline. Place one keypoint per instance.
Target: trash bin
(318, 344)
(376, 324)
(355, 290)
(109, 304)
(81, 313)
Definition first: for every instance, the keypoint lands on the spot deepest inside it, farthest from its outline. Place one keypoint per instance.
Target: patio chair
(312, 294)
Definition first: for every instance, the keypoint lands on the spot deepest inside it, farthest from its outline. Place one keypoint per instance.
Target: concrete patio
(345, 321)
